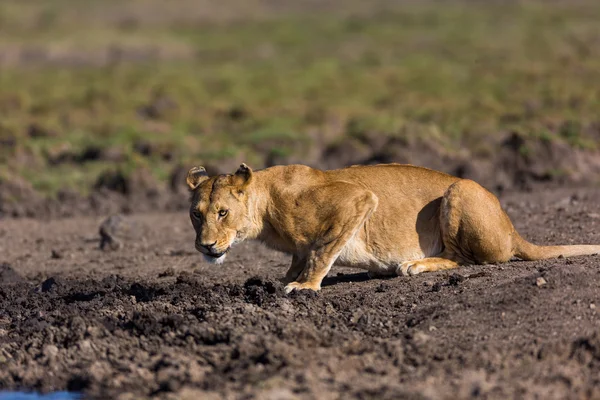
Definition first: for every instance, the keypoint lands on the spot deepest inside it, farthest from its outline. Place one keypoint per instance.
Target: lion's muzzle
(210, 250)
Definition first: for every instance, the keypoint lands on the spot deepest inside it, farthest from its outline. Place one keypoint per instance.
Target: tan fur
(388, 219)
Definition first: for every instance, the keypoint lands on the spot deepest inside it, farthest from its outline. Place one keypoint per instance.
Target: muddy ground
(152, 319)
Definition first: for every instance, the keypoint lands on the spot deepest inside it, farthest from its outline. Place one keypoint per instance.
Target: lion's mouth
(216, 255)
(210, 253)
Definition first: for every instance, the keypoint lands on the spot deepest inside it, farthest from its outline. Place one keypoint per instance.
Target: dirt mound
(511, 162)
(17, 197)
(114, 230)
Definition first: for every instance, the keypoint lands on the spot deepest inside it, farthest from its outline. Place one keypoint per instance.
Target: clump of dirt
(257, 291)
(140, 181)
(87, 154)
(114, 230)
(17, 197)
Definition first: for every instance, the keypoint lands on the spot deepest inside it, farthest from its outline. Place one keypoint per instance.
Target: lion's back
(396, 179)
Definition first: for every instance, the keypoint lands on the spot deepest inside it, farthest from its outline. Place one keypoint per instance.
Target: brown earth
(151, 319)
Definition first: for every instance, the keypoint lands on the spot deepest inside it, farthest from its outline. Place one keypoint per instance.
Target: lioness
(388, 219)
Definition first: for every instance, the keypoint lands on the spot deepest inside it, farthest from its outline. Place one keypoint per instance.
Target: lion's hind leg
(429, 264)
(474, 229)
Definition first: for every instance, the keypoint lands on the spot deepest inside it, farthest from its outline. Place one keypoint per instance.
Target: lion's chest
(356, 254)
(272, 239)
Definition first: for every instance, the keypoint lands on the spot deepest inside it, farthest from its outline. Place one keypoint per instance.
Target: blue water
(38, 396)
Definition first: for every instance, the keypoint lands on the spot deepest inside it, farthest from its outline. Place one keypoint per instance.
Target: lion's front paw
(299, 286)
(410, 268)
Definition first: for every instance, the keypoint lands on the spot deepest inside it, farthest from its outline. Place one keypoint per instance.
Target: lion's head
(219, 210)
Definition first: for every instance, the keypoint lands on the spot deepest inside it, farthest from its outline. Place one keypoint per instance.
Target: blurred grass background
(90, 86)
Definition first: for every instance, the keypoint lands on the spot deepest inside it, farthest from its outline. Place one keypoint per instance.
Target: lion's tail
(531, 252)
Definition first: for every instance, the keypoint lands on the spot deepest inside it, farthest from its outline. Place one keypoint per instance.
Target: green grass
(452, 71)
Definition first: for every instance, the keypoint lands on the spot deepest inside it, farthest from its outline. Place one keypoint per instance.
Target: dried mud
(151, 319)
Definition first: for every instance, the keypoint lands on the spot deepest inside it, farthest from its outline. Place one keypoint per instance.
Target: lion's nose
(208, 246)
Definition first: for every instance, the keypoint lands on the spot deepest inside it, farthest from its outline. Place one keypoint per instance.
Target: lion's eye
(223, 213)
(197, 214)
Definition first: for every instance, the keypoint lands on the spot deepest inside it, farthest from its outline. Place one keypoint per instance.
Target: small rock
(85, 345)
(455, 279)
(48, 284)
(592, 306)
(167, 272)
(329, 309)
(383, 287)
(358, 314)
(436, 287)
(50, 351)
(113, 230)
(420, 338)
(540, 281)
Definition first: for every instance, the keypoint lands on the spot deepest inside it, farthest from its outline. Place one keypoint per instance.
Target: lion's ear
(243, 175)
(195, 177)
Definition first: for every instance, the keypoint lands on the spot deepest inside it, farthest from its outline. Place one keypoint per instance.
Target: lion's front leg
(346, 216)
(317, 266)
